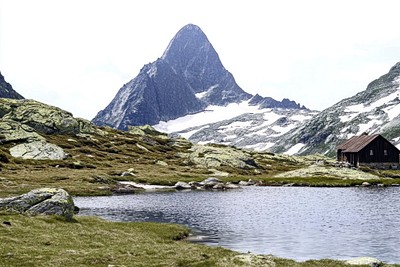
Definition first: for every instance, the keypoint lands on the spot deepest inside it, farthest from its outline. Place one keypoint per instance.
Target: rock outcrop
(12, 131)
(43, 118)
(26, 122)
(43, 201)
(38, 150)
(215, 156)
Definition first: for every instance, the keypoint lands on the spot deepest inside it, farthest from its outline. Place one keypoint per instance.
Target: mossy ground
(94, 165)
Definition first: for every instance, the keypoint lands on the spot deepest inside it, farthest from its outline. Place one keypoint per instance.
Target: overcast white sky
(77, 54)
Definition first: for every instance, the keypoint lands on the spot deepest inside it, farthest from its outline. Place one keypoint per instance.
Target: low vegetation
(90, 241)
(97, 162)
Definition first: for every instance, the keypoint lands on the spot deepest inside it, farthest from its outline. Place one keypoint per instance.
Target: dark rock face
(193, 57)
(269, 102)
(187, 78)
(6, 90)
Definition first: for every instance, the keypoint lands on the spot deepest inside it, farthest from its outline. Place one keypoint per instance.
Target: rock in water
(43, 201)
(38, 150)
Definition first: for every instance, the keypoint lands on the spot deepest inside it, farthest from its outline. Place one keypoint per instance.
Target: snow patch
(236, 124)
(210, 115)
(260, 146)
(392, 111)
(187, 135)
(294, 149)
(367, 126)
(203, 94)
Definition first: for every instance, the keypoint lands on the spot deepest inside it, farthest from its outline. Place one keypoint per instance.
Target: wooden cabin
(373, 150)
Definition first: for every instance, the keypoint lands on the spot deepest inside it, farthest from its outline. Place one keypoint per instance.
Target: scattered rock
(43, 201)
(161, 163)
(127, 174)
(182, 186)
(125, 188)
(210, 182)
(364, 261)
(7, 224)
(145, 186)
(365, 184)
(231, 186)
(38, 150)
(219, 186)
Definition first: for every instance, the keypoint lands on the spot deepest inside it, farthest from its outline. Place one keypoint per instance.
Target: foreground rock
(43, 201)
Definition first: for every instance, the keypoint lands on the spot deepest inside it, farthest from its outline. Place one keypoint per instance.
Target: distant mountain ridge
(374, 110)
(187, 79)
(6, 90)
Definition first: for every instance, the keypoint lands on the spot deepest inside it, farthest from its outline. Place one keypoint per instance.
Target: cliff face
(6, 90)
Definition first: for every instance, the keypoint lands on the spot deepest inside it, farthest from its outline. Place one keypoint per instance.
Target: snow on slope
(211, 114)
(376, 110)
(241, 125)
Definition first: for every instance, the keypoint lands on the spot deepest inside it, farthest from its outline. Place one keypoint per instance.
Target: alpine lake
(300, 223)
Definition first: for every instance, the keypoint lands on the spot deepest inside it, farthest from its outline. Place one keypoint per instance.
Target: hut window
(371, 152)
(385, 152)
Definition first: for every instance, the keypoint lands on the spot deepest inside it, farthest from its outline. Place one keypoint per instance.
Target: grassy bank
(89, 241)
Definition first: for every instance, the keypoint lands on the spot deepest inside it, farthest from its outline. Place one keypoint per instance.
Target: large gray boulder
(38, 150)
(43, 201)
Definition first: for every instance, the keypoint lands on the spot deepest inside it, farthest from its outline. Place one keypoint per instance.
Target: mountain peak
(189, 38)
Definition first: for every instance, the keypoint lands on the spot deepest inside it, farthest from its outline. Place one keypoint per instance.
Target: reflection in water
(295, 222)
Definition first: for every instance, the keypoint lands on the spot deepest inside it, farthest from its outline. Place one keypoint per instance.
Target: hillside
(374, 110)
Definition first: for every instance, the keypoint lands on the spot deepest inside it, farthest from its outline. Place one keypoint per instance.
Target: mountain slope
(6, 90)
(238, 124)
(374, 110)
(188, 78)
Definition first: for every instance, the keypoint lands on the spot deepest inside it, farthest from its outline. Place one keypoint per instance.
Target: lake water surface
(292, 222)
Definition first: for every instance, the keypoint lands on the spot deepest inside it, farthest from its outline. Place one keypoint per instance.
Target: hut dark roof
(356, 143)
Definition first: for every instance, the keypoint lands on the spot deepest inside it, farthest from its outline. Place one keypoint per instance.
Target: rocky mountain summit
(374, 110)
(187, 79)
(6, 90)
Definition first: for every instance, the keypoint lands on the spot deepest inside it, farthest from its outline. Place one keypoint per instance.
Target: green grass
(89, 241)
